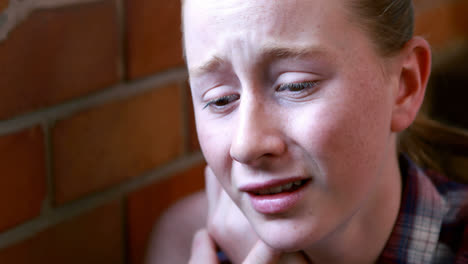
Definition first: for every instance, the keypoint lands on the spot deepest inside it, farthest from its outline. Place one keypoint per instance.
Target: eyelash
(222, 101)
(292, 87)
(297, 87)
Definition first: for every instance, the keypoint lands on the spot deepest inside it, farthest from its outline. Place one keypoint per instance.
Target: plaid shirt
(432, 223)
(431, 227)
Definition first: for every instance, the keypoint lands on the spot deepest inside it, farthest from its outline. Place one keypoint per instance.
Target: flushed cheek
(319, 129)
(337, 137)
(215, 147)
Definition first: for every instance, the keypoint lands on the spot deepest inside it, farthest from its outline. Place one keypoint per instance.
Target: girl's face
(293, 109)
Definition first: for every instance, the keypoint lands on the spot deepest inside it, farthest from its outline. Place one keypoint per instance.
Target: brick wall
(96, 128)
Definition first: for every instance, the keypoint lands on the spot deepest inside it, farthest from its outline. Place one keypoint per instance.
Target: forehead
(233, 28)
(267, 16)
(244, 13)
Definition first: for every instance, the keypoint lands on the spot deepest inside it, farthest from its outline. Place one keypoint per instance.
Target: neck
(362, 238)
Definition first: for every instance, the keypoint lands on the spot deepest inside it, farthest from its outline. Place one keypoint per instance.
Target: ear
(415, 70)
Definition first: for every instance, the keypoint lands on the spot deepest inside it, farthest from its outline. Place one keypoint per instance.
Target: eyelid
(231, 98)
(296, 77)
(305, 84)
(216, 92)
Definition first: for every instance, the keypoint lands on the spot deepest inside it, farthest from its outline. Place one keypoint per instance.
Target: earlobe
(414, 75)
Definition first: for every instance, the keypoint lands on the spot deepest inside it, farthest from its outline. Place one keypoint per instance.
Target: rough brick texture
(146, 205)
(23, 180)
(103, 146)
(95, 237)
(58, 54)
(154, 38)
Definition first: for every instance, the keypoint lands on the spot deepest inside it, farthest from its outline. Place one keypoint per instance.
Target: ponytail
(433, 145)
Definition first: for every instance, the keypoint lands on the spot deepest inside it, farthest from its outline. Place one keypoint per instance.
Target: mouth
(277, 196)
(288, 187)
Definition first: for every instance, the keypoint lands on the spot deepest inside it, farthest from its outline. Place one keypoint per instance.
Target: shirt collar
(422, 209)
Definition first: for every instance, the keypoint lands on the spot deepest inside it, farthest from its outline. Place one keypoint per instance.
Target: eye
(297, 87)
(221, 102)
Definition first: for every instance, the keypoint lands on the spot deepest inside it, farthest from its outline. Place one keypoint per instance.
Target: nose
(258, 135)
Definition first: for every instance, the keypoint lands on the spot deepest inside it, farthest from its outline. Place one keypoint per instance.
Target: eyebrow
(210, 66)
(279, 52)
(268, 52)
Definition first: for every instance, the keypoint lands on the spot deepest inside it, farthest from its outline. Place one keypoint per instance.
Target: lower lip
(277, 203)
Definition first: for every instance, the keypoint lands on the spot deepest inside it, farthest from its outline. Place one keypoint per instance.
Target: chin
(287, 237)
(284, 243)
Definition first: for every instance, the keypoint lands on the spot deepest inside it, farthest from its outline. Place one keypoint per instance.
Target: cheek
(346, 135)
(214, 141)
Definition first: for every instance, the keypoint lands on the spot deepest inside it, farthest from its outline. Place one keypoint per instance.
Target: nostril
(251, 151)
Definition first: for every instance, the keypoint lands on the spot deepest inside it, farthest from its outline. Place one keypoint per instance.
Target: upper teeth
(278, 189)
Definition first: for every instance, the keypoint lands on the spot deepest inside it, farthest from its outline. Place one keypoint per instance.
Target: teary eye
(222, 101)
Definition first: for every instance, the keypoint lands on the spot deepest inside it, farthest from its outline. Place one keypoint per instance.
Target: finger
(294, 258)
(262, 254)
(203, 249)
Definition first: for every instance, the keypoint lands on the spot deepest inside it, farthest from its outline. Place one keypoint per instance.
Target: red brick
(116, 141)
(23, 184)
(153, 35)
(146, 205)
(92, 238)
(58, 54)
(444, 23)
(424, 4)
(3, 4)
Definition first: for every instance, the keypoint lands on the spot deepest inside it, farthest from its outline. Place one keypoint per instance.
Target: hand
(226, 224)
(203, 249)
(204, 252)
(231, 230)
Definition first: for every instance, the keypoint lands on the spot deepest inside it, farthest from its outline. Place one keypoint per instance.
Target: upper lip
(256, 187)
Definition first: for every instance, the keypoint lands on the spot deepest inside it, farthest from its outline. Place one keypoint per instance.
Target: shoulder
(455, 195)
(453, 237)
(432, 222)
